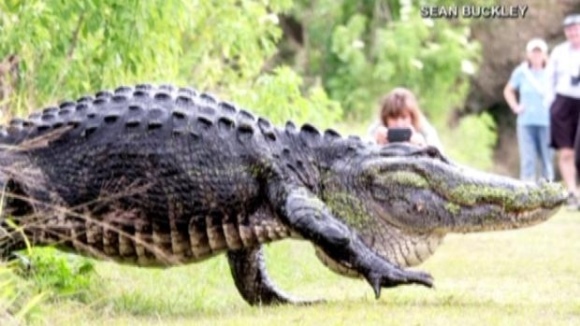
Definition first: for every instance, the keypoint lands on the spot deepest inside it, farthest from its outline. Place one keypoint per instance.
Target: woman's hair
(544, 62)
(398, 102)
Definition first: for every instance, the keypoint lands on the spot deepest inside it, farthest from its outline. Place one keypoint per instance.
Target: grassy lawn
(529, 276)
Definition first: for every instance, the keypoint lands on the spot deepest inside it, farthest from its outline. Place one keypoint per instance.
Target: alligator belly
(126, 238)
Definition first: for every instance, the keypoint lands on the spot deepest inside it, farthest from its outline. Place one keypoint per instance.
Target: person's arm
(431, 136)
(510, 89)
(509, 93)
(428, 134)
(551, 79)
(378, 133)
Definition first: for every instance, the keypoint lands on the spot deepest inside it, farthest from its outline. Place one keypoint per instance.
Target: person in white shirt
(563, 73)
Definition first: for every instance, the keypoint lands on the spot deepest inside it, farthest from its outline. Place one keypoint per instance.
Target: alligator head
(403, 200)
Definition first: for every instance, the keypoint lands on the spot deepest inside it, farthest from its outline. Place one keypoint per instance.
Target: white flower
(467, 32)
(270, 18)
(467, 67)
(358, 44)
(417, 63)
(406, 8)
(433, 46)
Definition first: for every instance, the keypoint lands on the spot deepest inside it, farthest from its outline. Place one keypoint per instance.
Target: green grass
(529, 276)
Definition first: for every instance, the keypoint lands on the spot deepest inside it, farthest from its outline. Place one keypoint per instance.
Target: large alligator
(162, 176)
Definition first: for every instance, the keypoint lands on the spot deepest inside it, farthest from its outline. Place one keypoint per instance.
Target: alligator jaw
(424, 194)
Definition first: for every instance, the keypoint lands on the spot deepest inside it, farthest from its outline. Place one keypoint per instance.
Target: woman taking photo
(399, 109)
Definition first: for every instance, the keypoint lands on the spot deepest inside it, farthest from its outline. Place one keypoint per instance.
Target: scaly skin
(160, 176)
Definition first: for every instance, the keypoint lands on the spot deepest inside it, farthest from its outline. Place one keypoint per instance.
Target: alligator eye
(379, 192)
(432, 152)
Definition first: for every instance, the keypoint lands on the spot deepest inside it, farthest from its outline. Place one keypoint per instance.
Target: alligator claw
(419, 277)
(374, 280)
(398, 277)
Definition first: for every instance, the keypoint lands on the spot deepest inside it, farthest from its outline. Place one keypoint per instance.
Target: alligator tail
(5, 236)
(10, 239)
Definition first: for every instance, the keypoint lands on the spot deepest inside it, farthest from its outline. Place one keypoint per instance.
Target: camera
(398, 135)
(575, 80)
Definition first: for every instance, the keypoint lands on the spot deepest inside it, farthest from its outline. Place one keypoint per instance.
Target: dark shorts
(564, 114)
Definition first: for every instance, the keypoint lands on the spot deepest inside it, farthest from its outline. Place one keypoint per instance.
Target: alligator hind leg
(249, 271)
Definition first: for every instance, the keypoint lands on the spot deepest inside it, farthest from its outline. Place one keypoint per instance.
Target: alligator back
(147, 175)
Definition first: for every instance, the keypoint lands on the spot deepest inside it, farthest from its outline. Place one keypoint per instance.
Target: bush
(18, 299)
(472, 141)
(40, 275)
(62, 276)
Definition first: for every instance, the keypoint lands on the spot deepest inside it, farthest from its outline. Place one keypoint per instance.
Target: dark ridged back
(143, 107)
(148, 107)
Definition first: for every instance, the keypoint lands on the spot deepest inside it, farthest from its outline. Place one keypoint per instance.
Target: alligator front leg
(310, 217)
(250, 276)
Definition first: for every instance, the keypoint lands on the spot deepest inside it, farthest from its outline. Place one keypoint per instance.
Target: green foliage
(359, 51)
(70, 48)
(478, 137)
(264, 97)
(40, 276)
(62, 276)
(423, 55)
(18, 300)
(456, 3)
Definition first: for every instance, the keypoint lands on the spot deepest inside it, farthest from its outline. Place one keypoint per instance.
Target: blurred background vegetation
(324, 61)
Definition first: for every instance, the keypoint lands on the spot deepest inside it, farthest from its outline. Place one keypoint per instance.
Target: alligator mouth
(543, 211)
(506, 221)
(427, 195)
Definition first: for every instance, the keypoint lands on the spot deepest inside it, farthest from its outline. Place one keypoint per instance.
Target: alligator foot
(390, 276)
(250, 276)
